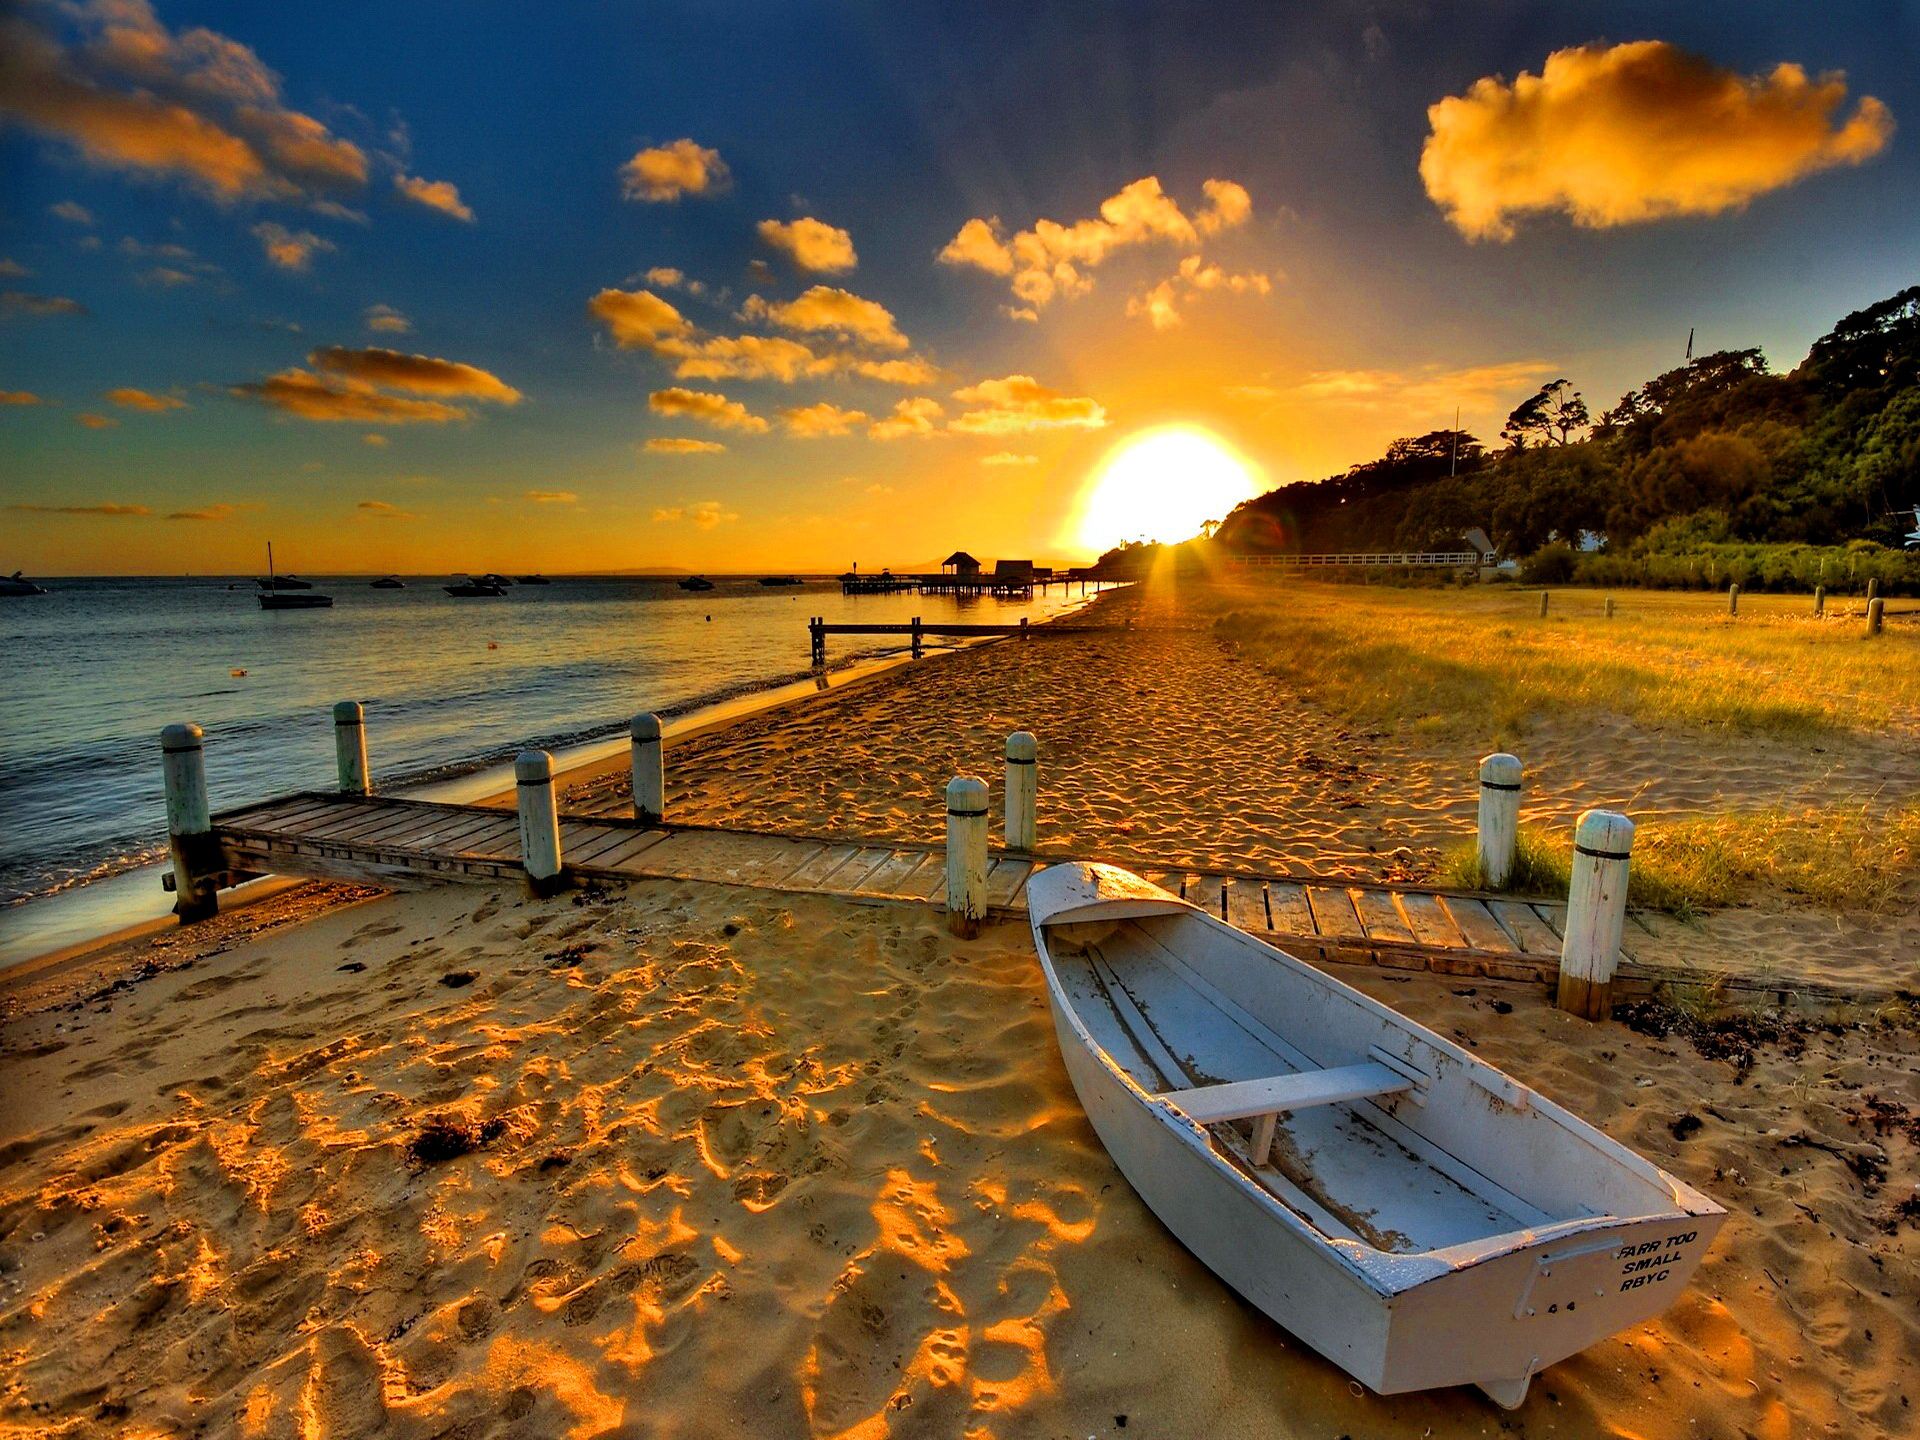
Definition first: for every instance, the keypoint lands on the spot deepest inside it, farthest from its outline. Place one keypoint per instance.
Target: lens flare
(1161, 484)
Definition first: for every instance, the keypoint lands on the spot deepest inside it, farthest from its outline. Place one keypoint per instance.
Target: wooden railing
(1431, 559)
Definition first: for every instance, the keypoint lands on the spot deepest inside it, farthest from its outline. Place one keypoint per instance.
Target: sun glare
(1161, 484)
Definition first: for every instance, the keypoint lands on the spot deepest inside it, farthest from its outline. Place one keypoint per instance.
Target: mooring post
(1596, 913)
(1609, 607)
(1023, 790)
(1733, 597)
(1819, 601)
(1023, 627)
(1499, 816)
(1873, 588)
(966, 855)
(817, 637)
(539, 821)
(916, 637)
(1876, 615)
(189, 822)
(350, 748)
(1543, 604)
(649, 769)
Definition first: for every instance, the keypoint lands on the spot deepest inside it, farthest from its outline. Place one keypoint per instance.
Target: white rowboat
(1415, 1215)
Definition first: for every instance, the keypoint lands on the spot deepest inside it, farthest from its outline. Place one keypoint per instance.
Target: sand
(754, 1166)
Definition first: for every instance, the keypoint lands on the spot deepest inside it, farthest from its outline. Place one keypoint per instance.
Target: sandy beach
(683, 1160)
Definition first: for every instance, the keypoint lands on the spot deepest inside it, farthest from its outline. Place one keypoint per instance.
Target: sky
(724, 287)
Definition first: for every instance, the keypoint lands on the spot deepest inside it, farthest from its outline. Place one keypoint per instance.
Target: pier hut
(961, 566)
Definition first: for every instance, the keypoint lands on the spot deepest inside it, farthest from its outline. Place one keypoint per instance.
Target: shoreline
(129, 904)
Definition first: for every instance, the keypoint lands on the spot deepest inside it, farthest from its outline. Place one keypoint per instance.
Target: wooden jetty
(404, 844)
(917, 631)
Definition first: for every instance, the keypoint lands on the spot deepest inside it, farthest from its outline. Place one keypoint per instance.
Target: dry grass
(1481, 661)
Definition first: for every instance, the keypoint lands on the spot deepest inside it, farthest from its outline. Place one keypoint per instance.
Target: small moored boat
(284, 592)
(696, 582)
(388, 582)
(532, 580)
(18, 584)
(473, 588)
(780, 580)
(1417, 1216)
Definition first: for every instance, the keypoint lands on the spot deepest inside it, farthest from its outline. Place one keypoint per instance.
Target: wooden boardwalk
(405, 843)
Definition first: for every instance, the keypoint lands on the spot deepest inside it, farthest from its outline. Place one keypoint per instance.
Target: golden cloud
(704, 513)
(1616, 135)
(918, 416)
(809, 422)
(642, 320)
(96, 422)
(638, 319)
(127, 93)
(811, 244)
(386, 320)
(742, 357)
(18, 397)
(824, 308)
(683, 445)
(1161, 304)
(385, 510)
(1053, 259)
(13, 270)
(204, 512)
(416, 374)
(82, 509)
(316, 397)
(376, 440)
(1008, 457)
(72, 211)
(666, 172)
(128, 398)
(441, 195)
(551, 497)
(708, 408)
(1019, 403)
(20, 302)
(1431, 389)
(289, 249)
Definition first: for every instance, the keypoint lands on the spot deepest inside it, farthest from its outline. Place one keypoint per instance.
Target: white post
(1733, 598)
(1819, 601)
(1543, 604)
(1609, 607)
(350, 748)
(966, 855)
(1499, 816)
(1023, 789)
(539, 820)
(189, 821)
(649, 769)
(1876, 615)
(1873, 588)
(1596, 913)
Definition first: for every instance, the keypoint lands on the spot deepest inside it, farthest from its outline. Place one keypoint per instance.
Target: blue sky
(1347, 306)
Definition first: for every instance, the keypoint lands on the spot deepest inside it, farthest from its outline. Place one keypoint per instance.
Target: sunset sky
(425, 288)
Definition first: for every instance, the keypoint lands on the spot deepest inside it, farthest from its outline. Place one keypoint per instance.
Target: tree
(1551, 416)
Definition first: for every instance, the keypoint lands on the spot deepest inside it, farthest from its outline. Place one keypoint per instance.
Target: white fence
(1427, 560)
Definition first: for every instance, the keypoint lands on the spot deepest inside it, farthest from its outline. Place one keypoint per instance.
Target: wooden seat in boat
(1262, 1100)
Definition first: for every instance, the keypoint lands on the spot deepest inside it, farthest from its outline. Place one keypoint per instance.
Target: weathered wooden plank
(1429, 921)
(1381, 917)
(392, 821)
(1527, 929)
(452, 836)
(1247, 906)
(502, 842)
(424, 830)
(930, 880)
(1477, 924)
(1554, 917)
(321, 819)
(580, 836)
(820, 867)
(1005, 878)
(851, 878)
(611, 838)
(276, 816)
(1333, 913)
(893, 873)
(373, 819)
(1208, 892)
(629, 853)
(1289, 910)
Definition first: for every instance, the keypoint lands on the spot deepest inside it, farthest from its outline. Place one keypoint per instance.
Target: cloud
(13, 270)
(917, 416)
(1617, 135)
(323, 398)
(18, 397)
(1053, 259)
(96, 422)
(1426, 389)
(82, 509)
(441, 195)
(71, 211)
(708, 408)
(638, 319)
(666, 172)
(107, 78)
(811, 244)
(204, 512)
(809, 422)
(551, 497)
(1008, 457)
(704, 513)
(128, 398)
(1019, 403)
(826, 309)
(386, 320)
(385, 510)
(416, 374)
(683, 445)
(665, 276)
(19, 302)
(168, 277)
(289, 249)
(1161, 304)
(376, 440)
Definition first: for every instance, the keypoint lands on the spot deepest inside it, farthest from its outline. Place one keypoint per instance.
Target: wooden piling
(1609, 607)
(539, 821)
(1876, 615)
(916, 637)
(817, 635)
(1543, 604)
(1819, 601)
(1023, 753)
(1499, 832)
(350, 748)
(1596, 913)
(189, 822)
(966, 855)
(1733, 598)
(649, 769)
(1873, 588)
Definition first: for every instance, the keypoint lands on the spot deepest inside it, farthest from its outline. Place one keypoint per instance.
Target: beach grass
(1482, 661)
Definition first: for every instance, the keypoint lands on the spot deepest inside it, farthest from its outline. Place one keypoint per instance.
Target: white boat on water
(1417, 1216)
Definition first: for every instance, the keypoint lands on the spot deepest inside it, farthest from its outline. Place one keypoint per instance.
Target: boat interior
(1356, 1119)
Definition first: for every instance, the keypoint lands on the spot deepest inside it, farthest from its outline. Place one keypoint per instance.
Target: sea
(95, 669)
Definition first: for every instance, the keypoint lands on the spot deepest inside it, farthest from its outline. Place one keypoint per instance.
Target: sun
(1161, 484)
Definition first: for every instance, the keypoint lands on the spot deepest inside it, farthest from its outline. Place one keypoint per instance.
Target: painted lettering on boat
(1650, 1262)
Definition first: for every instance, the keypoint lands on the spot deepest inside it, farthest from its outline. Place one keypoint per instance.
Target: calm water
(97, 667)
